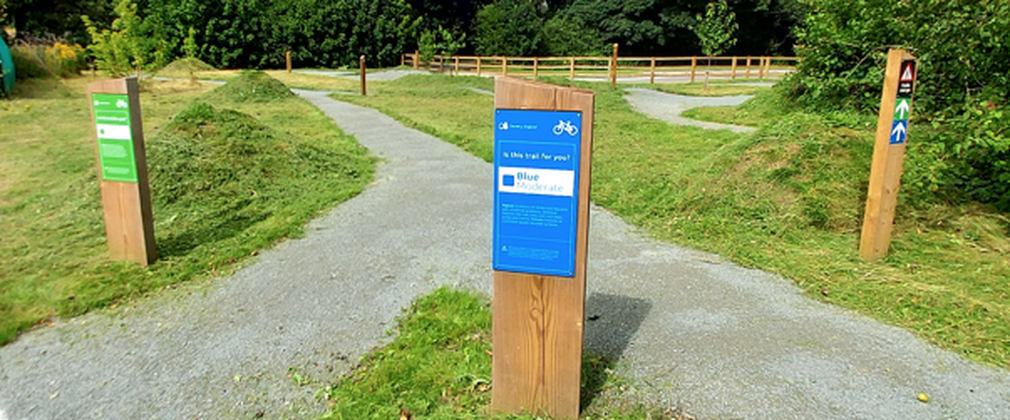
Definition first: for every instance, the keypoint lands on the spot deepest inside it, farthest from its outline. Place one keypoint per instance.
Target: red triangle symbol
(906, 76)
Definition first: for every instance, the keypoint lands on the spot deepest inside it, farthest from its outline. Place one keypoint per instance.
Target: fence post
(402, 59)
(457, 65)
(694, 64)
(479, 60)
(504, 66)
(362, 65)
(417, 58)
(747, 74)
(287, 60)
(536, 66)
(733, 71)
(613, 68)
(571, 68)
(768, 67)
(652, 71)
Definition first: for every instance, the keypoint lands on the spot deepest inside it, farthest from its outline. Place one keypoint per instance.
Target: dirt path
(689, 330)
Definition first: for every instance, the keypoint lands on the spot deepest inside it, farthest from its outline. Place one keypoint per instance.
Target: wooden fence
(760, 67)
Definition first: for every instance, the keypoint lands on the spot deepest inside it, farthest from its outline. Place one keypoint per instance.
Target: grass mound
(184, 66)
(219, 173)
(250, 86)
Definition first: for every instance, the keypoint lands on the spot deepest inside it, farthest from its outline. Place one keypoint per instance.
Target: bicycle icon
(565, 126)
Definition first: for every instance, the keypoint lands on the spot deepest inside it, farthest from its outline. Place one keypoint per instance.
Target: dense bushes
(44, 58)
(962, 88)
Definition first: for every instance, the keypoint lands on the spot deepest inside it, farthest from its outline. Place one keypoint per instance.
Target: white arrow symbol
(902, 110)
(899, 130)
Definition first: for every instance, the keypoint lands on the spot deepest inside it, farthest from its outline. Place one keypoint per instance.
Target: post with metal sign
(888, 154)
(122, 170)
(543, 150)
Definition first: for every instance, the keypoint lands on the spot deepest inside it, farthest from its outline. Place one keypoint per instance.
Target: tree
(715, 32)
(569, 35)
(509, 27)
(439, 42)
(128, 45)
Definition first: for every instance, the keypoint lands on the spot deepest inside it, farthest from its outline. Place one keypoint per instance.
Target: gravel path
(691, 331)
(384, 75)
(668, 107)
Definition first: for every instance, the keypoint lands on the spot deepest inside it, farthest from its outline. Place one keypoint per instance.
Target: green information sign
(115, 141)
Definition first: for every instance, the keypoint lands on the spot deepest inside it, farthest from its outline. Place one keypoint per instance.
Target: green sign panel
(115, 141)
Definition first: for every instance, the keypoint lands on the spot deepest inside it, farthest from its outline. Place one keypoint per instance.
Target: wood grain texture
(538, 320)
(129, 218)
(885, 170)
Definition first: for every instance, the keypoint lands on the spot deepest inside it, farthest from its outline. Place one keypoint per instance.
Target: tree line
(333, 33)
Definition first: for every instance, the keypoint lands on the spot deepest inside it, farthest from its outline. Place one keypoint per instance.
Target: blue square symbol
(509, 180)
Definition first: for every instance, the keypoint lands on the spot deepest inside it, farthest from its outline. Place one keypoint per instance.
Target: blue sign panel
(899, 132)
(536, 169)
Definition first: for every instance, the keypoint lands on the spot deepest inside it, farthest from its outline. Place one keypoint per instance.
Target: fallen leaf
(404, 414)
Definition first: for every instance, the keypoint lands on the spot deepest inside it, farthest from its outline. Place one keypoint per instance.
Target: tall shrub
(962, 89)
(128, 46)
(508, 27)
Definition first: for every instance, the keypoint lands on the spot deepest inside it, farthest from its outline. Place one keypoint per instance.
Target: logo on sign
(565, 127)
(908, 74)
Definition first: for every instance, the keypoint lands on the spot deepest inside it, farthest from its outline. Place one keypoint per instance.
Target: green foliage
(962, 86)
(255, 33)
(439, 42)
(715, 30)
(569, 35)
(508, 27)
(129, 46)
(55, 59)
(55, 18)
(189, 46)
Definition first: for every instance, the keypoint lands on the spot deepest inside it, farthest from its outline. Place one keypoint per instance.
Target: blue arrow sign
(899, 132)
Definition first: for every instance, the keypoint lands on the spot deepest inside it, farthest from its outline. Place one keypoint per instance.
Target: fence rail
(761, 67)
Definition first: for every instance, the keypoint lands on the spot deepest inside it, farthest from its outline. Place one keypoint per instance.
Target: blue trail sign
(536, 169)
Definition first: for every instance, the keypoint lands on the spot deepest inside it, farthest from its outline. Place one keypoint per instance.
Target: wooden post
(768, 67)
(571, 68)
(537, 329)
(761, 69)
(456, 70)
(402, 59)
(733, 70)
(122, 170)
(888, 154)
(747, 75)
(504, 66)
(536, 65)
(362, 64)
(694, 64)
(613, 68)
(417, 59)
(287, 60)
(479, 59)
(651, 71)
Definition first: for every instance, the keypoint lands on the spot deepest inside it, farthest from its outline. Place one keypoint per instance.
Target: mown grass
(788, 199)
(54, 255)
(716, 87)
(439, 366)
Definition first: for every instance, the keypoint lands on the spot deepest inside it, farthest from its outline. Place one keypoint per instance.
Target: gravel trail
(689, 330)
(668, 107)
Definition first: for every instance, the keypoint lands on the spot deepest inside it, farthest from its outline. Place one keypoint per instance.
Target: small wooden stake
(126, 203)
(362, 64)
(652, 71)
(694, 65)
(287, 60)
(417, 58)
(888, 155)
(613, 68)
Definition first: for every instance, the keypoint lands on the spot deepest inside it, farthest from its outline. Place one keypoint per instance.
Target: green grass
(788, 199)
(224, 184)
(439, 366)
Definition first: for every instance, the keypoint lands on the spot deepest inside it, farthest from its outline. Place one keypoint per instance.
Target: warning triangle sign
(907, 75)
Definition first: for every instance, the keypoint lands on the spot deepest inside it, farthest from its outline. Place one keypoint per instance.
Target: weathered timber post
(362, 64)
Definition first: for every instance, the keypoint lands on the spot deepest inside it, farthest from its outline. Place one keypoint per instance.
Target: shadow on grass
(176, 245)
(611, 322)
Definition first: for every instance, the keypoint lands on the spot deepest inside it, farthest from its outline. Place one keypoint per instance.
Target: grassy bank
(218, 191)
(439, 366)
(788, 199)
